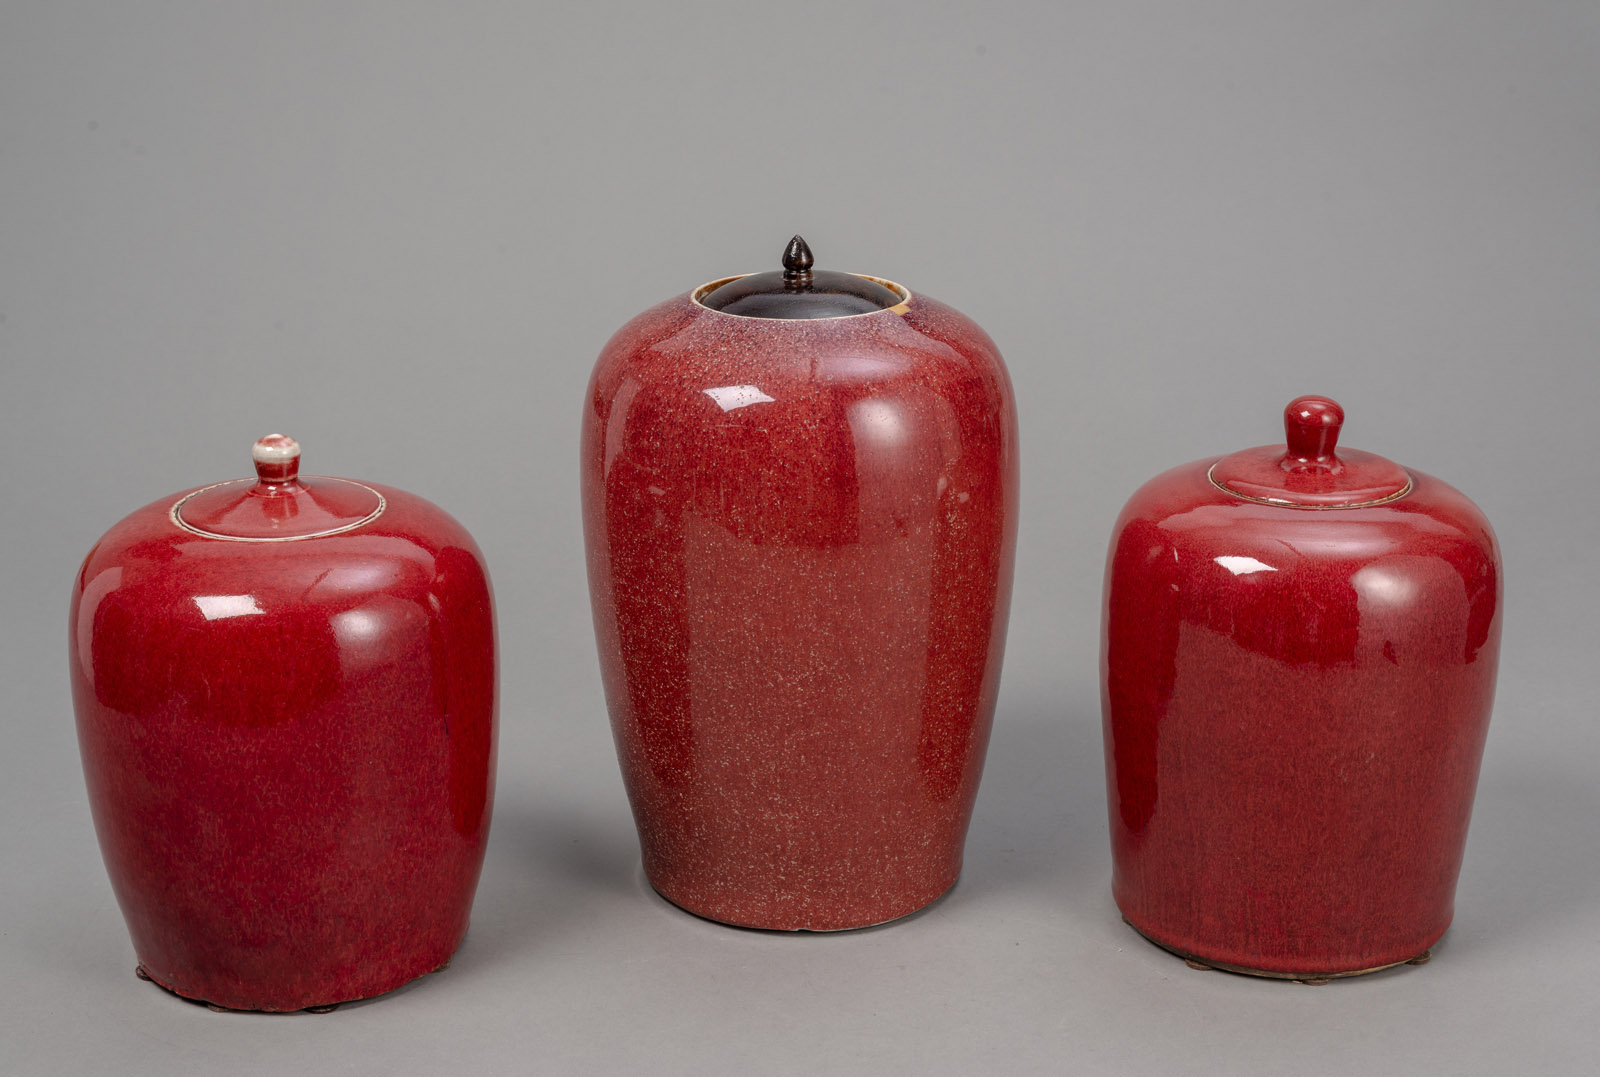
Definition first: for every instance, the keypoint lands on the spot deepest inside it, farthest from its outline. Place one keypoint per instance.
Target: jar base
(316, 1007)
(753, 923)
(1195, 961)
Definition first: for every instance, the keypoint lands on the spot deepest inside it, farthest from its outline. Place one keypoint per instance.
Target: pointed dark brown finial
(795, 291)
(797, 262)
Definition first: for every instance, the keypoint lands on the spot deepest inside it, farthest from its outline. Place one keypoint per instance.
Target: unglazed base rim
(315, 1007)
(1197, 961)
(895, 919)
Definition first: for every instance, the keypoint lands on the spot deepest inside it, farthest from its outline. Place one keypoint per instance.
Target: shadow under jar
(799, 500)
(1298, 663)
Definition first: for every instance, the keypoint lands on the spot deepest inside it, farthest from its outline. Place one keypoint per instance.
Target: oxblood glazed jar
(799, 499)
(1299, 662)
(285, 691)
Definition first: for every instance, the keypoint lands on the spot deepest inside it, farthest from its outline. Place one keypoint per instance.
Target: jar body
(289, 749)
(1295, 706)
(800, 538)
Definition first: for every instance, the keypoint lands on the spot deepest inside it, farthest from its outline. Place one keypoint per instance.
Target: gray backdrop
(401, 233)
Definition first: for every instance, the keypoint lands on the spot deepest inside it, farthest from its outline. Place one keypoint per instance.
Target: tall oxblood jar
(799, 498)
(285, 691)
(1299, 662)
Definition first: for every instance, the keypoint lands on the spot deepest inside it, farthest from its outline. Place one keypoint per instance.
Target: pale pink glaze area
(800, 538)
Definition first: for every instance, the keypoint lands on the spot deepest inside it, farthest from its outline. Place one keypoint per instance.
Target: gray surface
(402, 233)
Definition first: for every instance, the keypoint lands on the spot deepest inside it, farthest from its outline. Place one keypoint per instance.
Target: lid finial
(1311, 429)
(797, 263)
(277, 458)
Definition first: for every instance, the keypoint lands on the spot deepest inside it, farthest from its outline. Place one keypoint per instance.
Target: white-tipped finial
(277, 458)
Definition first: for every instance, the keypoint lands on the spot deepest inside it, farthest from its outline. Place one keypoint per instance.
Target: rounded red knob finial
(277, 458)
(1311, 427)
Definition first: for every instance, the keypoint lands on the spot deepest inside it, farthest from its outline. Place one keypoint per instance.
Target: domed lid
(277, 505)
(1307, 473)
(799, 292)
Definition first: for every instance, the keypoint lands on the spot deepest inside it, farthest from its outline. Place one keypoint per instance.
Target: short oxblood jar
(799, 499)
(1298, 662)
(285, 691)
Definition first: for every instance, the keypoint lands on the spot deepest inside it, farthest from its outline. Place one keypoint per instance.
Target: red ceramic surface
(1296, 697)
(288, 734)
(800, 537)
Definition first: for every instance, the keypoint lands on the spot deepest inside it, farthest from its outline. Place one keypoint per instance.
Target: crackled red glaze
(289, 744)
(1295, 702)
(800, 537)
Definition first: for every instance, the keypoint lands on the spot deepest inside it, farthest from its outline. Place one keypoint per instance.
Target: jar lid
(799, 292)
(1307, 472)
(277, 505)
